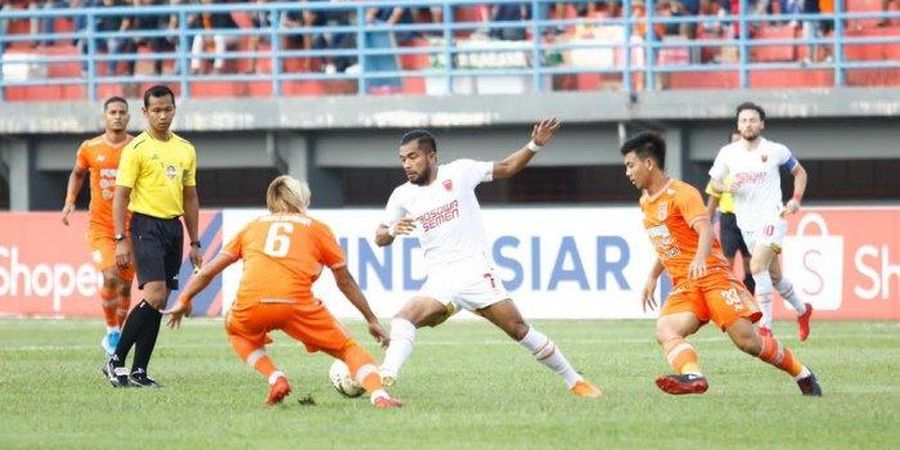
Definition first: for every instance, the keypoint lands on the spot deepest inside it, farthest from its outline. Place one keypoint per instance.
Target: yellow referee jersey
(726, 199)
(157, 172)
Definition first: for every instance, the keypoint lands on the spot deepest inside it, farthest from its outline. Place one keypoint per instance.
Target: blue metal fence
(445, 49)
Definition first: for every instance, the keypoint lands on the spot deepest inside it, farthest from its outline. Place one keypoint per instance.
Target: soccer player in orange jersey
(100, 157)
(704, 287)
(283, 254)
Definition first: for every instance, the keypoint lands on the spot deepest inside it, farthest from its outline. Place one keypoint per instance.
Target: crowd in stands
(258, 25)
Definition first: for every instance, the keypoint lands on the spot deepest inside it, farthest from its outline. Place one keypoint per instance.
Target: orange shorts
(718, 296)
(310, 323)
(103, 252)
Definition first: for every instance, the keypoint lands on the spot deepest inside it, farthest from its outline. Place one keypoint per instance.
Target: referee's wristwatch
(119, 238)
(195, 244)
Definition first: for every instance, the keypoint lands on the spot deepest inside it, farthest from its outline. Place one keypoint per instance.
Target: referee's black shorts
(158, 247)
(731, 237)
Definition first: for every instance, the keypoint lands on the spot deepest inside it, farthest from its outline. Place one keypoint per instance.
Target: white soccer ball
(342, 381)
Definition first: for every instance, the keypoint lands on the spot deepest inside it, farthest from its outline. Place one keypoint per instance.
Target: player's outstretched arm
(351, 290)
(540, 136)
(76, 180)
(196, 284)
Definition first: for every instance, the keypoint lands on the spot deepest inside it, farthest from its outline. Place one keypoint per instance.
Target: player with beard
(752, 167)
(440, 201)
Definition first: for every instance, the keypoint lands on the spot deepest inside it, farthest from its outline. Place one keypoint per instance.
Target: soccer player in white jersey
(753, 164)
(440, 201)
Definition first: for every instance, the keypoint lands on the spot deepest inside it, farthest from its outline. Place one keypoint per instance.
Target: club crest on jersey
(662, 211)
(448, 185)
(101, 158)
(170, 172)
(764, 157)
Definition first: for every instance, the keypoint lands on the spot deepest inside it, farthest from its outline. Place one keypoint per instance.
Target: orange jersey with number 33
(283, 255)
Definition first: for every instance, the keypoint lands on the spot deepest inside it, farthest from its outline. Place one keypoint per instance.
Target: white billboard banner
(573, 263)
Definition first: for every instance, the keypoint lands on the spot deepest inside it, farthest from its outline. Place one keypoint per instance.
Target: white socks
(786, 291)
(403, 334)
(546, 352)
(764, 290)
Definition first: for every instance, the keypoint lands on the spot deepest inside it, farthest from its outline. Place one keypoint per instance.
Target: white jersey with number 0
(756, 177)
(447, 214)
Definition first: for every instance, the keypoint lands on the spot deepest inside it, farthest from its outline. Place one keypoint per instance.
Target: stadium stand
(576, 46)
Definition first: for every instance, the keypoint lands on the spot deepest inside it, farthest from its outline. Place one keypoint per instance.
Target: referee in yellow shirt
(157, 182)
(729, 234)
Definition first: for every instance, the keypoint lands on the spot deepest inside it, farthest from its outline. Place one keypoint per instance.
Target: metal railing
(538, 54)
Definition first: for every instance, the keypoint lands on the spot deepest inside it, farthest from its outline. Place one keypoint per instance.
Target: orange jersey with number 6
(669, 217)
(283, 255)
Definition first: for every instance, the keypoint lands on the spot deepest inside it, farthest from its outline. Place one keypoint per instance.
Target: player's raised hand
(648, 302)
(181, 309)
(544, 130)
(377, 332)
(404, 226)
(66, 212)
(697, 269)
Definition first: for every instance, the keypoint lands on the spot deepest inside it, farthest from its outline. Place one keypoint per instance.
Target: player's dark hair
(645, 145)
(424, 139)
(114, 99)
(157, 92)
(750, 105)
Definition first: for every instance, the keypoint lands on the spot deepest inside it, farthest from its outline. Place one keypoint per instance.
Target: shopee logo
(57, 280)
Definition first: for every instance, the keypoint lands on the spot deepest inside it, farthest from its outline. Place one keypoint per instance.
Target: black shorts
(731, 237)
(158, 247)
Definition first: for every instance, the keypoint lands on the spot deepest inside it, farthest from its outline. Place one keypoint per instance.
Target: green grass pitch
(466, 387)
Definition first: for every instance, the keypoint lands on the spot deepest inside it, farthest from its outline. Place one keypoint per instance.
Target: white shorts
(469, 284)
(770, 234)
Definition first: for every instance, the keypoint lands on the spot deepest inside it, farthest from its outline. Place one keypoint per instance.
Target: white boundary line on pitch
(286, 342)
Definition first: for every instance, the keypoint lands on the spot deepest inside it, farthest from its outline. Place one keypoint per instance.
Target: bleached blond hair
(287, 194)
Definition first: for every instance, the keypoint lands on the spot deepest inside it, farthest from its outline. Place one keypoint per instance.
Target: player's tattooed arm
(540, 136)
(351, 290)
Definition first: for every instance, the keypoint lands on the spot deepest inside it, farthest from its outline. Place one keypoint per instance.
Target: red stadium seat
(772, 79)
(201, 89)
(774, 53)
(703, 80)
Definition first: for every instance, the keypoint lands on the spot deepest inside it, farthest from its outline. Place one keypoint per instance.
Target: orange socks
(779, 356)
(362, 367)
(124, 305)
(255, 357)
(110, 305)
(681, 356)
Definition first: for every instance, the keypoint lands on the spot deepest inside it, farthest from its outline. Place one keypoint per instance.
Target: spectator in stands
(209, 22)
(112, 45)
(260, 20)
(386, 39)
(886, 7)
(5, 5)
(328, 40)
(509, 12)
(44, 25)
(80, 21)
(156, 44)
